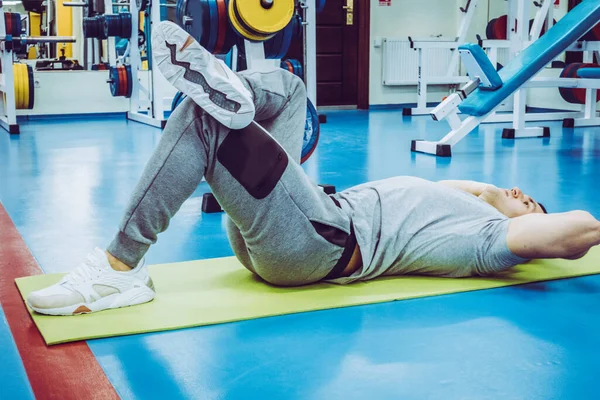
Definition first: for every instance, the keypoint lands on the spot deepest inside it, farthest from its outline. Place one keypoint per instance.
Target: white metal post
(310, 56)
(541, 18)
(135, 61)
(465, 24)
(9, 117)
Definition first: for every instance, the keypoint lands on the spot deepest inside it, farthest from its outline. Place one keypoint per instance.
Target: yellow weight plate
(24, 88)
(255, 37)
(16, 82)
(23, 78)
(266, 20)
(17, 79)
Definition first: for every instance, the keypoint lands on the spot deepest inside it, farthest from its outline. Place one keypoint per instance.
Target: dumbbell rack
(8, 112)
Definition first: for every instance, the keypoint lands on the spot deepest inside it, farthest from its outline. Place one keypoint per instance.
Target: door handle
(349, 7)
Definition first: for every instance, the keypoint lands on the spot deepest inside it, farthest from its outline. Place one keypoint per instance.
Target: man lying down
(282, 227)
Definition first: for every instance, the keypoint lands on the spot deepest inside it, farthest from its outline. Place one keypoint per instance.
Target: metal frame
(589, 116)
(452, 76)
(146, 104)
(8, 115)
(459, 129)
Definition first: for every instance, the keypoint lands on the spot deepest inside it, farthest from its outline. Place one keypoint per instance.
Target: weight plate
(223, 27)
(22, 85)
(119, 81)
(8, 22)
(568, 93)
(285, 64)
(17, 79)
(31, 87)
(199, 13)
(129, 81)
(212, 30)
(490, 30)
(126, 25)
(298, 27)
(232, 36)
(113, 76)
(312, 132)
(286, 39)
(273, 46)
(122, 81)
(178, 15)
(25, 86)
(265, 20)
(501, 27)
(18, 26)
(242, 29)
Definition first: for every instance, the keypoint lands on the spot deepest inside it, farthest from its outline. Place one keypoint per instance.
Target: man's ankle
(117, 264)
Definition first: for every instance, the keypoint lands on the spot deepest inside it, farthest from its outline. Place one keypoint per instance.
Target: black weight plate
(129, 81)
(31, 87)
(126, 25)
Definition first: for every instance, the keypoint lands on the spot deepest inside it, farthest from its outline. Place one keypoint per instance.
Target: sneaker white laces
(88, 270)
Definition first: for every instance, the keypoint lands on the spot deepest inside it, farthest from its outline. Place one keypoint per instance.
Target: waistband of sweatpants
(340, 266)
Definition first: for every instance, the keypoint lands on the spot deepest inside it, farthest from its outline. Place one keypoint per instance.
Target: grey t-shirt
(407, 225)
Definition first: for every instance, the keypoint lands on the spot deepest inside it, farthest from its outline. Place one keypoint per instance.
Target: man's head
(512, 203)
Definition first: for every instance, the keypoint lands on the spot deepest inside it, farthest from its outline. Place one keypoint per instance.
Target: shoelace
(85, 271)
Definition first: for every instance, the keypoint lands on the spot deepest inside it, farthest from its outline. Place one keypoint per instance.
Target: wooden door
(337, 53)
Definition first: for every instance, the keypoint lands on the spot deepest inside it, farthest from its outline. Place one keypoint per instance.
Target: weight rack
(8, 107)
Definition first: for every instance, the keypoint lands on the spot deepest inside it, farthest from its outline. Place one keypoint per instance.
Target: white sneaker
(206, 79)
(94, 286)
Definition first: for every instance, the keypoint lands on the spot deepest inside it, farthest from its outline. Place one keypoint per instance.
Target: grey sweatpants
(292, 236)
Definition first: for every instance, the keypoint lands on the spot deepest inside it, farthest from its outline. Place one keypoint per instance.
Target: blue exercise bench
(489, 89)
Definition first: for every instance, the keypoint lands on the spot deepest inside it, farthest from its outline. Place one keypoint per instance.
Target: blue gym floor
(65, 182)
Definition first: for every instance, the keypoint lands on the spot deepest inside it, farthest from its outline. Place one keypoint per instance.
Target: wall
(83, 92)
(422, 19)
(426, 18)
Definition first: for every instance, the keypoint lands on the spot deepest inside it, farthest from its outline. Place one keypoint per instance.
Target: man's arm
(568, 235)
(475, 188)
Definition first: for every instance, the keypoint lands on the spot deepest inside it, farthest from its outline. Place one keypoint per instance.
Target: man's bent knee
(254, 159)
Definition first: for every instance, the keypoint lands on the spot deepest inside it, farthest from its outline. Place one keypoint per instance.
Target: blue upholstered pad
(589, 73)
(531, 60)
(484, 63)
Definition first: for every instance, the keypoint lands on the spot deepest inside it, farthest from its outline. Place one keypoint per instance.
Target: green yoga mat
(220, 290)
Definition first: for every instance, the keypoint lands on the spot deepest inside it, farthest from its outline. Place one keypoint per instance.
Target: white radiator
(400, 62)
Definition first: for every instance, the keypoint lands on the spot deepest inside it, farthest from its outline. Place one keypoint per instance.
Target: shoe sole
(188, 67)
(131, 297)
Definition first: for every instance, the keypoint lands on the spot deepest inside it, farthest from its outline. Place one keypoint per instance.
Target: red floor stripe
(68, 371)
